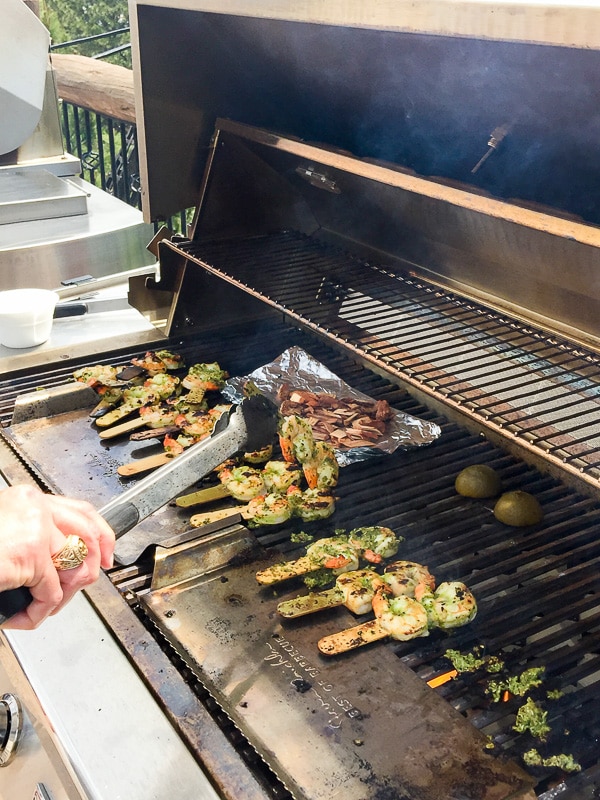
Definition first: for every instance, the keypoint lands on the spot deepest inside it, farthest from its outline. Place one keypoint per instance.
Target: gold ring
(72, 554)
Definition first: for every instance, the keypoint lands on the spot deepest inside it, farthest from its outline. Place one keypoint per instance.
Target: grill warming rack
(531, 390)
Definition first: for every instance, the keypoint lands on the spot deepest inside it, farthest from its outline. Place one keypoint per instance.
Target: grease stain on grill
(221, 630)
(235, 600)
(301, 686)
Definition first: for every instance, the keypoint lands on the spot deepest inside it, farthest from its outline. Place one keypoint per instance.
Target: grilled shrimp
(333, 553)
(400, 617)
(162, 385)
(375, 542)
(296, 439)
(198, 424)
(209, 377)
(158, 415)
(175, 447)
(403, 577)
(171, 360)
(137, 396)
(358, 589)
(259, 456)
(151, 362)
(267, 509)
(243, 483)
(311, 504)
(99, 375)
(280, 475)
(451, 605)
(322, 470)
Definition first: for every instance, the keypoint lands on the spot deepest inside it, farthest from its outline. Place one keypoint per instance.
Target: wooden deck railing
(96, 85)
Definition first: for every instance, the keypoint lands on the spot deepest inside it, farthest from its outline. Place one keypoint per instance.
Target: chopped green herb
(464, 662)
(518, 685)
(494, 664)
(554, 694)
(563, 761)
(301, 538)
(318, 579)
(530, 717)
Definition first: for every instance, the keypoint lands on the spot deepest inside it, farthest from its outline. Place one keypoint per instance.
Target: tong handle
(12, 601)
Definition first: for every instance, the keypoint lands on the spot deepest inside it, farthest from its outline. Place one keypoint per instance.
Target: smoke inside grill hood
(425, 103)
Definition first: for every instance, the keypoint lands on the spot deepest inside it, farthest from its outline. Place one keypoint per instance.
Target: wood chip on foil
(344, 422)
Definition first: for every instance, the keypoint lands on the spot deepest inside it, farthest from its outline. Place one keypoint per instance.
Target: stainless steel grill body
(443, 299)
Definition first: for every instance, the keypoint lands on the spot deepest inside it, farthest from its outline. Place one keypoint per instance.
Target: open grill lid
(535, 266)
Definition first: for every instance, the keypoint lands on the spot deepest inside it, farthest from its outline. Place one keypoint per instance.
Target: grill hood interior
(423, 85)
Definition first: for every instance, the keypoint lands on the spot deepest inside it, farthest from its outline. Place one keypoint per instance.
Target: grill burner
(537, 588)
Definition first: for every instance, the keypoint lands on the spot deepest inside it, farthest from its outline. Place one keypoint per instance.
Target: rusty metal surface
(358, 727)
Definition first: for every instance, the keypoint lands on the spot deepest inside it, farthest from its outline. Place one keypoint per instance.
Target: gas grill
(463, 310)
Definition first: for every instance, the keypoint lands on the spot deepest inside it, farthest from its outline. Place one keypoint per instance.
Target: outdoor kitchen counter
(109, 323)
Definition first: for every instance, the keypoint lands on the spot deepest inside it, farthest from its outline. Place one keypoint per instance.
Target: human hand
(33, 528)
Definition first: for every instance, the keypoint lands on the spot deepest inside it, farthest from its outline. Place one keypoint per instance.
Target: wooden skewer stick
(109, 419)
(289, 569)
(217, 492)
(351, 638)
(144, 464)
(309, 603)
(198, 520)
(124, 427)
(155, 433)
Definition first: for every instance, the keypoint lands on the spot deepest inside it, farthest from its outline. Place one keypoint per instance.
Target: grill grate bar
(477, 360)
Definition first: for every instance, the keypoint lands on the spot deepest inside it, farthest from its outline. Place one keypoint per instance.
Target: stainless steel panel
(92, 714)
(38, 195)
(409, 94)
(111, 237)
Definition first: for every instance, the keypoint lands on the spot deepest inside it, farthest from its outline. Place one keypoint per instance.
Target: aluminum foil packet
(299, 370)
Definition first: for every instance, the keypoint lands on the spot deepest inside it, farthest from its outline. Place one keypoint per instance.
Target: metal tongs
(249, 426)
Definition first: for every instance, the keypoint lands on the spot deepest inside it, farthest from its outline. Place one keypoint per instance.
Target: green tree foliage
(68, 20)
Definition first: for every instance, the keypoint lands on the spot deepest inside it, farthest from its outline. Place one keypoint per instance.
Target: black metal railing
(85, 46)
(107, 149)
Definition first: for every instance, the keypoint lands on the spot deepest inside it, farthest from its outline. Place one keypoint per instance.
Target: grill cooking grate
(540, 391)
(537, 588)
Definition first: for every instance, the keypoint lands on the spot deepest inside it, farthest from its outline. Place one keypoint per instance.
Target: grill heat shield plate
(355, 727)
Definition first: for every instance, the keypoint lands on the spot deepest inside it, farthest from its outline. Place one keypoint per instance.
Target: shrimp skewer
(322, 469)
(159, 387)
(312, 504)
(400, 618)
(451, 605)
(265, 509)
(296, 439)
(356, 590)
(279, 476)
(202, 378)
(243, 483)
(333, 553)
(339, 553)
(376, 542)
